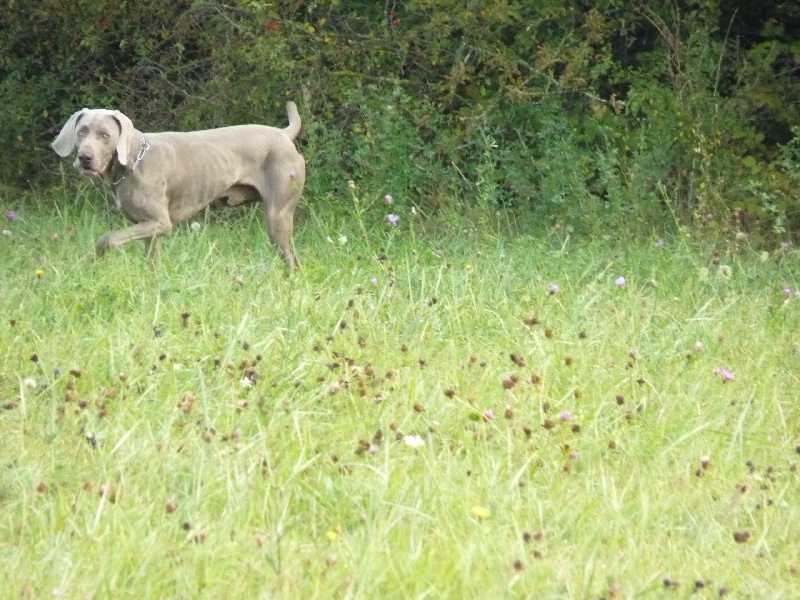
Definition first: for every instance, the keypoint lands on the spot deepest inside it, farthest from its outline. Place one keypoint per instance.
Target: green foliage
(567, 109)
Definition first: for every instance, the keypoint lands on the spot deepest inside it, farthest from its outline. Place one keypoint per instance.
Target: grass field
(446, 408)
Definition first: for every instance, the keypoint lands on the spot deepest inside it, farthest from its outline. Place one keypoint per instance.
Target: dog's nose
(86, 159)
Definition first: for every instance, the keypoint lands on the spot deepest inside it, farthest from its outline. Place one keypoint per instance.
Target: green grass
(153, 471)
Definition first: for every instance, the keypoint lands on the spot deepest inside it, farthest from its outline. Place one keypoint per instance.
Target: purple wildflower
(388, 200)
(620, 282)
(11, 215)
(564, 415)
(574, 455)
(488, 414)
(393, 220)
(724, 374)
(554, 289)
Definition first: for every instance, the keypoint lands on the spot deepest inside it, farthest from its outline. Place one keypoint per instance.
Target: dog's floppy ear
(125, 136)
(65, 141)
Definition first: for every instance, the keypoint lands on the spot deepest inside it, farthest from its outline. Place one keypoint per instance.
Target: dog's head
(100, 137)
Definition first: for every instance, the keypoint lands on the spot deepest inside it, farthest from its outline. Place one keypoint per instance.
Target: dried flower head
(741, 537)
(517, 359)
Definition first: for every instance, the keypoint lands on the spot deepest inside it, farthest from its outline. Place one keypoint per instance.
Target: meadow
(438, 406)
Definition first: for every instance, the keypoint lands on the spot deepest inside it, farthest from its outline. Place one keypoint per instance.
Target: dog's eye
(106, 135)
(82, 131)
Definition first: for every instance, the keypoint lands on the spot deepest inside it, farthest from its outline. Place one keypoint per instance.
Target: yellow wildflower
(480, 512)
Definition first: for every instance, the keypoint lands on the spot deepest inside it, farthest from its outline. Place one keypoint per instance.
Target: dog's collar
(143, 148)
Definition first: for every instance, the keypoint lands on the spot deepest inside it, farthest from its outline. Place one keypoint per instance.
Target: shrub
(570, 110)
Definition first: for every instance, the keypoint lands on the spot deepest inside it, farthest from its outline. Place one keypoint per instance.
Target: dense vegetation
(586, 113)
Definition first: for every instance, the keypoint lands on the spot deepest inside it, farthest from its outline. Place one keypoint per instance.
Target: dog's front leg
(152, 247)
(147, 230)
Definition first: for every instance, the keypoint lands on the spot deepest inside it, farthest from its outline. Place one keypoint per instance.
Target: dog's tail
(294, 121)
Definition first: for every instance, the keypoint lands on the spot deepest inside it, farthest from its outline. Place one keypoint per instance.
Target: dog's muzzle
(84, 163)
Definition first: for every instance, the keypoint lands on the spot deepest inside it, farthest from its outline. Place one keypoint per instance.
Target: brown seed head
(741, 537)
(509, 382)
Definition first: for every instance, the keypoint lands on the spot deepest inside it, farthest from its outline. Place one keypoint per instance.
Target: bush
(571, 111)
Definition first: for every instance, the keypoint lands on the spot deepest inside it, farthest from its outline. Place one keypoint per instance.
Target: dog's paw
(103, 245)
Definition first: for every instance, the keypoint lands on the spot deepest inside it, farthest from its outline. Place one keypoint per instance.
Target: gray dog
(162, 178)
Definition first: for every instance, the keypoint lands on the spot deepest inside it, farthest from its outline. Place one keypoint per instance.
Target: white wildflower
(415, 441)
